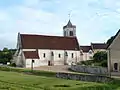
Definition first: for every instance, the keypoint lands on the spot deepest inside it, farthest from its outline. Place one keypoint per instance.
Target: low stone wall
(89, 69)
(81, 77)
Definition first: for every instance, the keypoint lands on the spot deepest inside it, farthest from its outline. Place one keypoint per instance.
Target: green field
(20, 81)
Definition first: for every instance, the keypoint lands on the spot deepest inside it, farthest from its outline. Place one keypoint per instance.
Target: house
(113, 50)
(47, 50)
(98, 47)
(87, 52)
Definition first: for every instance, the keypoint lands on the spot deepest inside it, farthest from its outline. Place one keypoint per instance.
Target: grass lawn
(20, 81)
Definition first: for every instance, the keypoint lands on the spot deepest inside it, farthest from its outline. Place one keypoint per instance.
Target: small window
(44, 55)
(72, 55)
(33, 61)
(71, 33)
(59, 55)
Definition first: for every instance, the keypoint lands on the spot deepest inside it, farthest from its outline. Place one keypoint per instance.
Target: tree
(5, 49)
(109, 41)
(99, 56)
(6, 55)
(99, 59)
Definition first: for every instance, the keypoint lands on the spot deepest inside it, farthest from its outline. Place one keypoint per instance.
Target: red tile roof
(85, 48)
(31, 54)
(99, 45)
(49, 42)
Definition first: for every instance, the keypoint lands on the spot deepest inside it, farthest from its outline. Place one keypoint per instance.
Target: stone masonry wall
(89, 69)
(82, 77)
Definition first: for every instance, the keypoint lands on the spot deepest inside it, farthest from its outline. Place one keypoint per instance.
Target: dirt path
(60, 68)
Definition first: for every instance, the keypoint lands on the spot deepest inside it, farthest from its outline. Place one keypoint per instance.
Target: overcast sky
(95, 20)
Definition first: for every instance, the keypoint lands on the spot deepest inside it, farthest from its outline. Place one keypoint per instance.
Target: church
(45, 50)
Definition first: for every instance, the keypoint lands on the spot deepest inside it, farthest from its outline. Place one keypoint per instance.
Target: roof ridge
(46, 35)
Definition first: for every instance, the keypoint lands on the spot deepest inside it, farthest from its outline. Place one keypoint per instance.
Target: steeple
(69, 30)
(69, 23)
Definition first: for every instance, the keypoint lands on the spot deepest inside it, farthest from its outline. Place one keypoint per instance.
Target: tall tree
(109, 41)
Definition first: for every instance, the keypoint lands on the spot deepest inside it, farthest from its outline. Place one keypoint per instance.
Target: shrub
(88, 62)
(7, 68)
(13, 65)
(104, 63)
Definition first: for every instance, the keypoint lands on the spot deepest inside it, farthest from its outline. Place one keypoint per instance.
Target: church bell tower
(69, 30)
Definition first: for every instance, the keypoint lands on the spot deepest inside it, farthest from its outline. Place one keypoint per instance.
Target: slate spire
(69, 24)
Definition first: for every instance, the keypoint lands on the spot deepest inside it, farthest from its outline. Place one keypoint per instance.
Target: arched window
(44, 55)
(72, 55)
(59, 55)
(71, 33)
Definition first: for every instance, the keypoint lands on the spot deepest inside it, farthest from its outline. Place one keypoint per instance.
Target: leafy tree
(109, 41)
(99, 59)
(99, 56)
(6, 55)
(5, 50)
(103, 63)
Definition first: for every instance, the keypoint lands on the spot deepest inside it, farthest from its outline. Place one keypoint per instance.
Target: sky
(96, 20)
